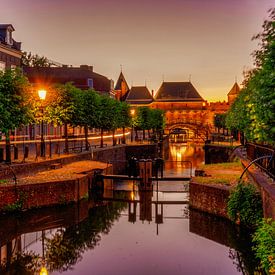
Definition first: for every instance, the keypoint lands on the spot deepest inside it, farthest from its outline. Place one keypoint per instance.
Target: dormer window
(9, 36)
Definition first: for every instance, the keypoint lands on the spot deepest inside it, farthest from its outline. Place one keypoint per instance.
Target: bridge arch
(187, 130)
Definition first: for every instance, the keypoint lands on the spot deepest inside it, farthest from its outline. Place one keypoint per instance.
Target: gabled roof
(235, 90)
(121, 79)
(178, 91)
(139, 95)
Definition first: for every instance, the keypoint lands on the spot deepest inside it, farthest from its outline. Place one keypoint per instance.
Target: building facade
(10, 50)
(82, 77)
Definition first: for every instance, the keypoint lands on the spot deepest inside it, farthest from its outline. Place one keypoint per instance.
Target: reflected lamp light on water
(43, 271)
(42, 94)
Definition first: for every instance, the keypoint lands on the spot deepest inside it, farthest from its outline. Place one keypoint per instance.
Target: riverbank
(64, 179)
(69, 183)
(210, 192)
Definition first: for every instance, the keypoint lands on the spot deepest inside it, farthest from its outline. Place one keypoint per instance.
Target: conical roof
(139, 95)
(235, 90)
(178, 91)
(121, 79)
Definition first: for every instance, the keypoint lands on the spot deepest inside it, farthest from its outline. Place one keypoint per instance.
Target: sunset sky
(152, 39)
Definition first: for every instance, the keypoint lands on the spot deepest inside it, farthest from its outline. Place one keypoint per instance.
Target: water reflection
(180, 155)
(67, 239)
(128, 232)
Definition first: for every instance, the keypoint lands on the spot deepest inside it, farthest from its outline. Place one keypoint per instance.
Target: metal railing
(267, 164)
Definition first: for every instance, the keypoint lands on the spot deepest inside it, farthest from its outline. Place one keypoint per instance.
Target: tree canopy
(254, 110)
(34, 60)
(15, 104)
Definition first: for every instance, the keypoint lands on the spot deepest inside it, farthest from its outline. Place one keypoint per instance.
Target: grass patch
(226, 173)
(223, 165)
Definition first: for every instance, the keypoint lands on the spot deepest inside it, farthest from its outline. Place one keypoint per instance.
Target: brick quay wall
(213, 198)
(209, 198)
(41, 194)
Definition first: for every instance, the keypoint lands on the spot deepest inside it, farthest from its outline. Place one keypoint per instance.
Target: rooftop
(178, 91)
(77, 75)
(139, 95)
(235, 90)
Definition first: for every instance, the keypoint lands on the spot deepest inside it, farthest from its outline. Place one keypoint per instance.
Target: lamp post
(43, 270)
(132, 112)
(42, 95)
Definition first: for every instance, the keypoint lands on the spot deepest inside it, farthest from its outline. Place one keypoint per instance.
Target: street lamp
(42, 95)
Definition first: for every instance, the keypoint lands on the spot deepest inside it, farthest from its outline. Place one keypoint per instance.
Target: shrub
(264, 239)
(245, 205)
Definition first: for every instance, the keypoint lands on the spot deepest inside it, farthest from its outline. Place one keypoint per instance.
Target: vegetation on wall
(264, 239)
(245, 205)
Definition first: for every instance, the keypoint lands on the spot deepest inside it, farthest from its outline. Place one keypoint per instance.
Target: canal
(128, 232)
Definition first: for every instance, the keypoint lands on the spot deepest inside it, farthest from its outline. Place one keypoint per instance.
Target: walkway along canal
(128, 231)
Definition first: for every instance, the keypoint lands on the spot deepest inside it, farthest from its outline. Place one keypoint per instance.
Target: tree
(157, 121)
(61, 108)
(219, 121)
(15, 106)
(107, 115)
(87, 111)
(254, 109)
(124, 118)
(30, 60)
(143, 119)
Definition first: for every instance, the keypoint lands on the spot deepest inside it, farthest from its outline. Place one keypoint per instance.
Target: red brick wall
(209, 198)
(45, 194)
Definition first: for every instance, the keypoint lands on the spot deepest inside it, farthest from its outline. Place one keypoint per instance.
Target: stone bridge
(188, 129)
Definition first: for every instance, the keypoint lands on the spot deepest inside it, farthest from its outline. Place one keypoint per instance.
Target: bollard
(135, 168)
(142, 172)
(1, 154)
(145, 173)
(15, 152)
(148, 176)
(26, 152)
(159, 166)
(49, 149)
(37, 150)
(56, 148)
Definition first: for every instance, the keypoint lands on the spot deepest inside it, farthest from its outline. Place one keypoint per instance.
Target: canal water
(128, 232)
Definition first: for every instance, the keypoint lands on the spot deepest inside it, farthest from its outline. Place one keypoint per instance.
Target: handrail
(253, 161)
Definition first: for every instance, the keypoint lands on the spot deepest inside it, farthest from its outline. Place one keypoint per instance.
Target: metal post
(42, 152)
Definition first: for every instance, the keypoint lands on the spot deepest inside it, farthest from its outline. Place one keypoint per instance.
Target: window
(8, 37)
(90, 83)
(2, 66)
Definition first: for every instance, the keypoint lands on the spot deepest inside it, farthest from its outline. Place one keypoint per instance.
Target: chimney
(84, 66)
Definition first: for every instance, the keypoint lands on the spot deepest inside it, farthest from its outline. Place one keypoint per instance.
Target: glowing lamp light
(42, 94)
(133, 111)
(43, 271)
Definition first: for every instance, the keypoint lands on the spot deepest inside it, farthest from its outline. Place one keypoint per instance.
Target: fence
(267, 164)
(31, 150)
